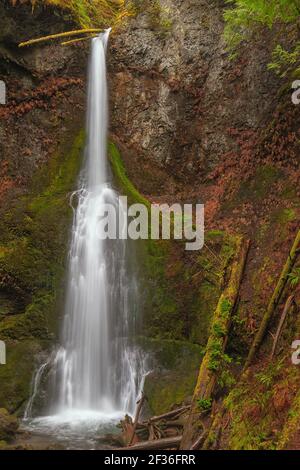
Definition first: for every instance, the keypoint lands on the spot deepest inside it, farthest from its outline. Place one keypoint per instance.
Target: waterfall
(96, 368)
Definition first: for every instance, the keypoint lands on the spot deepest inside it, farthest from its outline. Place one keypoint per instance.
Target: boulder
(8, 425)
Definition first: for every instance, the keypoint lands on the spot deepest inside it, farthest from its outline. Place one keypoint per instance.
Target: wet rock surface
(8, 425)
(44, 112)
(175, 92)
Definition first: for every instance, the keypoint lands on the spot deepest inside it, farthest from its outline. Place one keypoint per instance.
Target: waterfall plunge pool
(72, 429)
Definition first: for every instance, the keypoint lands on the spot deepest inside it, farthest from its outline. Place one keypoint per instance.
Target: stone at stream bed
(8, 425)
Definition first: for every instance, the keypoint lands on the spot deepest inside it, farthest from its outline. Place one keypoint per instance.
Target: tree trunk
(59, 35)
(290, 262)
(216, 344)
(136, 418)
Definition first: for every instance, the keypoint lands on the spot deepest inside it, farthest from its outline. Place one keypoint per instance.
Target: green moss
(250, 405)
(8, 425)
(158, 15)
(204, 404)
(216, 357)
(218, 329)
(225, 307)
(283, 216)
(122, 179)
(98, 13)
(256, 187)
(202, 310)
(291, 426)
(16, 374)
(172, 382)
(36, 322)
(34, 234)
(35, 228)
(245, 433)
(289, 193)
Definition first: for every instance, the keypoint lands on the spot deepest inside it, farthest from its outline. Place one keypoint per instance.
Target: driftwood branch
(60, 35)
(75, 41)
(217, 340)
(276, 297)
(158, 429)
(287, 307)
(136, 418)
(127, 431)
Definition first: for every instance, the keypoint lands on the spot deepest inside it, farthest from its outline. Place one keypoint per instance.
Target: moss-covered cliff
(34, 234)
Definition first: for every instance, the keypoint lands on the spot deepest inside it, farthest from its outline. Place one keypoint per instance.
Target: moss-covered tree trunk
(216, 345)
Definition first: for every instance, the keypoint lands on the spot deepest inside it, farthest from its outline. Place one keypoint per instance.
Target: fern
(294, 277)
(247, 18)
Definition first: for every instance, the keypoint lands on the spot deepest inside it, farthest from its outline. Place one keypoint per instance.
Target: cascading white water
(96, 369)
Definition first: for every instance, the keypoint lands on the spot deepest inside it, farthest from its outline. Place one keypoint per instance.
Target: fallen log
(289, 303)
(173, 423)
(169, 414)
(75, 41)
(275, 299)
(59, 35)
(157, 444)
(216, 344)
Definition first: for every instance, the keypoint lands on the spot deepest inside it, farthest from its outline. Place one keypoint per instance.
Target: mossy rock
(8, 425)
(16, 374)
(175, 366)
(34, 241)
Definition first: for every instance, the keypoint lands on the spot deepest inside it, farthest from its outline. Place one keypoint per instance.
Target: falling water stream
(96, 372)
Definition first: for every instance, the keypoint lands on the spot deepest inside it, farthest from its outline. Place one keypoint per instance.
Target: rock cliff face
(193, 125)
(44, 87)
(175, 93)
(40, 154)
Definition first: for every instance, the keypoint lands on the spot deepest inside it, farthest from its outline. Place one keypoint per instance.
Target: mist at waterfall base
(95, 375)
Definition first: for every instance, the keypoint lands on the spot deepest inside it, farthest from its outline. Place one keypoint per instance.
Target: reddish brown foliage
(282, 397)
(38, 98)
